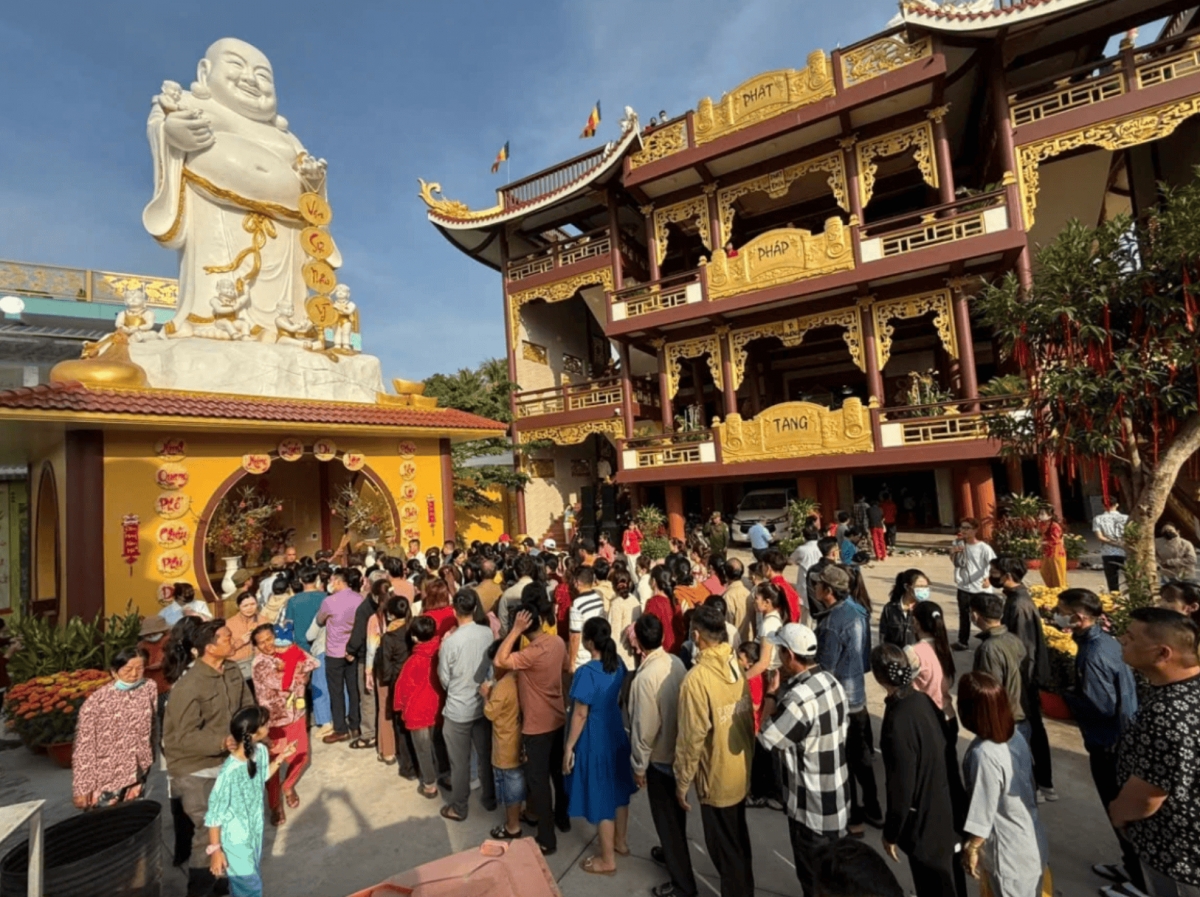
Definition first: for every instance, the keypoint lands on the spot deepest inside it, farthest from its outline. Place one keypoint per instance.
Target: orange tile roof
(75, 397)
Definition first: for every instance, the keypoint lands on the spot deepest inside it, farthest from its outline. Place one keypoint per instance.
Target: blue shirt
(848, 550)
(844, 648)
(301, 609)
(760, 537)
(1104, 699)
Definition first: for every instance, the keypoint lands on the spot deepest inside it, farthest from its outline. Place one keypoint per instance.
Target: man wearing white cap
(549, 545)
(806, 719)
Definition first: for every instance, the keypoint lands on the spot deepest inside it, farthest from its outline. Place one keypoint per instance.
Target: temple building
(774, 289)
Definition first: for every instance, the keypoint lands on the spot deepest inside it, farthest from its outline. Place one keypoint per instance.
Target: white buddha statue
(228, 180)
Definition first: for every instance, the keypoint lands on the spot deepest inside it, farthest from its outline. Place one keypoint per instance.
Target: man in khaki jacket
(653, 711)
(714, 748)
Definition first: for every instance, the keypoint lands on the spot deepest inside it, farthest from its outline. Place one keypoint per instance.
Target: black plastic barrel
(113, 852)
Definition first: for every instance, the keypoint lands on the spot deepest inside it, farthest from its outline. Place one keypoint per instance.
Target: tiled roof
(75, 397)
(964, 13)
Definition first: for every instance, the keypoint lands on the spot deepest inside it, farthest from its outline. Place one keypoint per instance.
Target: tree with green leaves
(485, 391)
(1106, 340)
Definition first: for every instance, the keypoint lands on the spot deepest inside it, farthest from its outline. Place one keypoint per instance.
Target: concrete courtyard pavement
(359, 823)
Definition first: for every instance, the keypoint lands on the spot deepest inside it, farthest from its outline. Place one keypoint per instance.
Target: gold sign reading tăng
(796, 430)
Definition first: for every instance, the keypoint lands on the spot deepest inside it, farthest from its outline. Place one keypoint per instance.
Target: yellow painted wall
(487, 525)
(130, 467)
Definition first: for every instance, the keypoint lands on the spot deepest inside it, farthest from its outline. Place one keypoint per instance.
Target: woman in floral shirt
(280, 676)
(113, 751)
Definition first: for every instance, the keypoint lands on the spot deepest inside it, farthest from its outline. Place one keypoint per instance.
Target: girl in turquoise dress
(235, 807)
(596, 764)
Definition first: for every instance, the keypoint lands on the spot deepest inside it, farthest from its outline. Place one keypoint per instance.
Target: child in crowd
(502, 709)
(235, 807)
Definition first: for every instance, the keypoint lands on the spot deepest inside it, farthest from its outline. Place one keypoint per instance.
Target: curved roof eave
(980, 17)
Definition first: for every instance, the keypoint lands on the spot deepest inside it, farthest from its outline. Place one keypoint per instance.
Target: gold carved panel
(693, 348)
(573, 434)
(918, 138)
(1117, 134)
(541, 468)
(696, 207)
(882, 56)
(535, 353)
(796, 430)
(913, 307)
(791, 332)
(764, 96)
(659, 144)
(557, 291)
(780, 256)
(777, 183)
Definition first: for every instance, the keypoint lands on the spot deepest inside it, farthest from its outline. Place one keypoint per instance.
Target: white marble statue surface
(278, 370)
(228, 175)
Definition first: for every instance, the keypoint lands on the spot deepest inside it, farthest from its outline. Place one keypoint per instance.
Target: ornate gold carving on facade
(764, 96)
(693, 348)
(888, 310)
(573, 434)
(659, 144)
(918, 138)
(1117, 134)
(556, 291)
(780, 256)
(646, 210)
(796, 430)
(696, 207)
(880, 57)
(533, 352)
(791, 332)
(937, 113)
(24, 278)
(776, 184)
(452, 208)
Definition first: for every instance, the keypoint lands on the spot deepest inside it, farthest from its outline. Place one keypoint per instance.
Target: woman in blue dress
(596, 757)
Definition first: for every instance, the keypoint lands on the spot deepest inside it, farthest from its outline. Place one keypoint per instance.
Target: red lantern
(130, 539)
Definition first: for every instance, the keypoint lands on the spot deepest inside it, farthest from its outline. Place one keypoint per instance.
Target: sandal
(292, 798)
(501, 833)
(359, 744)
(532, 823)
(278, 817)
(448, 813)
(587, 866)
(428, 794)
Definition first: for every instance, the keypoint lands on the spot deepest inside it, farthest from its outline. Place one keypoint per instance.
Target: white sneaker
(475, 786)
(1047, 794)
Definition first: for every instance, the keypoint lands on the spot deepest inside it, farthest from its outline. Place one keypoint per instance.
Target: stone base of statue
(277, 370)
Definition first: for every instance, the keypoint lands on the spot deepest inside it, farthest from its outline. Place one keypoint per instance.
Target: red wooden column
(850, 160)
(1053, 489)
(626, 388)
(1016, 477)
(964, 503)
(714, 216)
(83, 557)
(727, 371)
(941, 151)
(614, 239)
(964, 338)
(983, 494)
(448, 523)
(675, 519)
(1008, 158)
(867, 325)
(827, 495)
(651, 241)
(664, 388)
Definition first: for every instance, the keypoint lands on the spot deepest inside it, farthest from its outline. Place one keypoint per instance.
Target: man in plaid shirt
(806, 721)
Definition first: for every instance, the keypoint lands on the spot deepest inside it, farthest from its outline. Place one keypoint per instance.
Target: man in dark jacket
(196, 737)
(1000, 653)
(357, 648)
(1022, 619)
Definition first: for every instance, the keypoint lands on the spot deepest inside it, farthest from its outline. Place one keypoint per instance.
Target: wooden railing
(958, 420)
(544, 183)
(669, 450)
(971, 216)
(1086, 85)
(603, 393)
(559, 255)
(84, 284)
(657, 295)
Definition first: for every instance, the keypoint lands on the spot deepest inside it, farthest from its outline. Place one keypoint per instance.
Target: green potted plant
(1015, 530)
(1076, 546)
(652, 522)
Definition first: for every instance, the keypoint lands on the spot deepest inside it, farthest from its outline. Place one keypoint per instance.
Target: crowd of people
(560, 684)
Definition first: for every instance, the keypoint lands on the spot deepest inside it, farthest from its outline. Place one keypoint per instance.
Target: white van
(768, 505)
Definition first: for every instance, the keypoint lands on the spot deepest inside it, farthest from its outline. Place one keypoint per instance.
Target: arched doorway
(47, 548)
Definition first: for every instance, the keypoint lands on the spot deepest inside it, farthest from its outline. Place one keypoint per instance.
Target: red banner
(130, 539)
(432, 509)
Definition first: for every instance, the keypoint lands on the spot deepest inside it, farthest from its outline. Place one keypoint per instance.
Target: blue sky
(387, 92)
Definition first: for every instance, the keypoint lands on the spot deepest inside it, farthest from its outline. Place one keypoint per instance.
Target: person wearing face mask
(895, 620)
(1022, 619)
(113, 753)
(1103, 702)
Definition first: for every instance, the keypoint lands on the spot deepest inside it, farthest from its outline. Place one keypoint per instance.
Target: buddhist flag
(589, 130)
(501, 156)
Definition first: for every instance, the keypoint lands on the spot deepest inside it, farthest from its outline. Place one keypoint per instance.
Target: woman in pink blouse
(280, 676)
(113, 752)
(935, 676)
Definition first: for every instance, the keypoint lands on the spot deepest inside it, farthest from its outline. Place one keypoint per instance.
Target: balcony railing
(669, 450)
(1095, 82)
(540, 185)
(605, 393)
(559, 255)
(954, 421)
(972, 216)
(658, 295)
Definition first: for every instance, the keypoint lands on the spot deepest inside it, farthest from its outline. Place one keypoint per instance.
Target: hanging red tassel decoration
(1189, 303)
(1104, 481)
(1108, 357)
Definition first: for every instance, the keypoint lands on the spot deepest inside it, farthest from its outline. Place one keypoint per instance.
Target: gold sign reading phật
(780, 256)
(315, 209)
(763, 97)
(316, 243)
(796, 430)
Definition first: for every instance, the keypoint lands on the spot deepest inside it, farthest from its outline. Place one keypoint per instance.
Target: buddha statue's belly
(248, 168)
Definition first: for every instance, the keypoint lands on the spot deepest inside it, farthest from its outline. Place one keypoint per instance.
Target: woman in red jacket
(419, 699)
(435, 603)
(662, 605)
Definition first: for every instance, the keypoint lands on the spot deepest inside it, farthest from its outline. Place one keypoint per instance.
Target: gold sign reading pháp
(780, 256)
(316, 243)
(796, 430)
(319, 276)
(315, 209)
